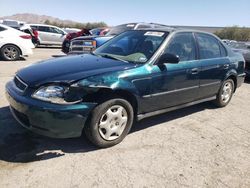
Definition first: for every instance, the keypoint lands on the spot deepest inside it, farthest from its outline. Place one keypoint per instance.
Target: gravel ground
(199, 146)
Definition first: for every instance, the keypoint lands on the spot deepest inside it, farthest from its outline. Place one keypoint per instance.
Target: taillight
(94, 43)
(25, 36)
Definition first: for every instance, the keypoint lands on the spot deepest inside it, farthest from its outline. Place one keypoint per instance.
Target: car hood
(69, 69)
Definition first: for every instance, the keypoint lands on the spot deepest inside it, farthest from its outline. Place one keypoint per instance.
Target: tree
(47, 22)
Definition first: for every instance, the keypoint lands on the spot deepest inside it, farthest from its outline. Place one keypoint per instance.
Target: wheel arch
(21, 53)
(232, 75)
(104, 94)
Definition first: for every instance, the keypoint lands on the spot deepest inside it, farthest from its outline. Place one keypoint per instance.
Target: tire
(10, 52)
(225, 93)
(109, 123)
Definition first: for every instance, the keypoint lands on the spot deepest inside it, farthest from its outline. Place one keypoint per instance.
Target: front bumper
(52, 120)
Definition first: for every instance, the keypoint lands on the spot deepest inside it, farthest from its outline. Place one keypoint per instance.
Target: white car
(49, 34)
(14, 43)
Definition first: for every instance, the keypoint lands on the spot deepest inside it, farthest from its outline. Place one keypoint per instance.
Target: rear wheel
(110, 122)
(10, 52)
(225, 94)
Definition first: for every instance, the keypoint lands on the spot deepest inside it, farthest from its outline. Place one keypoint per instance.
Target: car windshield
(136, 46)
(120, 28)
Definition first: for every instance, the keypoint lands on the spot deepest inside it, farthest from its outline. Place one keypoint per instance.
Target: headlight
(53, 94)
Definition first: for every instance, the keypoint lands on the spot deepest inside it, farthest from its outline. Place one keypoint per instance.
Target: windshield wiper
(112, 57)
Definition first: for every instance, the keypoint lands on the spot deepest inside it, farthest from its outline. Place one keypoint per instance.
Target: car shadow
(19, 59)
(19, 145)
(49, 46)
(247, 80)
(58, 56)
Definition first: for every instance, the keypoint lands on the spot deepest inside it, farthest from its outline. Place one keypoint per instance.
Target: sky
(114, 12)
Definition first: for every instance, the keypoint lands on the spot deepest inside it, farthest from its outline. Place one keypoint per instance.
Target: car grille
(20, 84)
(81, 46)
(77, 42)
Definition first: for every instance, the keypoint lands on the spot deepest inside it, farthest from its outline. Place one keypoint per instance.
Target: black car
(244, 49)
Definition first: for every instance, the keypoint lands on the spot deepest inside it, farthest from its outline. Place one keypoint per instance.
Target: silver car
(48, 34)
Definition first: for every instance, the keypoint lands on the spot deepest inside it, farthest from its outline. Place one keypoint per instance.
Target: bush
(234, 33)
(78, 25)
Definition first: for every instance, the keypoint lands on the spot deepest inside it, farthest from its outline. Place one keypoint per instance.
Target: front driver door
(175, 84)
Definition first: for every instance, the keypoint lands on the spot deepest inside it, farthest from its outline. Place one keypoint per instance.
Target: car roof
(175, 29)
(164, 29)
(44, 25)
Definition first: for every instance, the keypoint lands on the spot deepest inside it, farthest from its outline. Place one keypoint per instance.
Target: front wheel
(225, 93)
(110, 122)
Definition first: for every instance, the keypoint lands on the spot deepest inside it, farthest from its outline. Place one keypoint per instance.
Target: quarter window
(223, 51)
(183, 45)
(209, 46)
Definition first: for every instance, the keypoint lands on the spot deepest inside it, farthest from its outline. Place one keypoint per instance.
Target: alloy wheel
(10, 53)
(226, 92)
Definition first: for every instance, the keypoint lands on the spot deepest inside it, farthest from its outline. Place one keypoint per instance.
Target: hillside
(35, 18)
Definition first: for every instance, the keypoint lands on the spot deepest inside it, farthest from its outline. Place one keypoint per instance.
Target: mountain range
(35, 18)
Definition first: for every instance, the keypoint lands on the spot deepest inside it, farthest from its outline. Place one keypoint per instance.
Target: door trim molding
(149, 114)
(168, 92)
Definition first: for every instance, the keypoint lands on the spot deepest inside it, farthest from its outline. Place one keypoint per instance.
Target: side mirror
(168, 58)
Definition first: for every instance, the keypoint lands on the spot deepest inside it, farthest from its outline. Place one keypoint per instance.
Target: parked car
(137, 74)
(70, 36)
(244, 49)
(14, 43)
(13, 23)
(48, 34)
(90, 43)
(33, 33)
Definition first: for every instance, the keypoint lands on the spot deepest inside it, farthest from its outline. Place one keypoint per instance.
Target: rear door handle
(194, 71)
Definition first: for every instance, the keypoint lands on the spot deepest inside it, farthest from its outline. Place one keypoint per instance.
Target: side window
(34, 27)
(43, 28)
(209, 46)
(2, 29)
(54, 30)
(183, 45)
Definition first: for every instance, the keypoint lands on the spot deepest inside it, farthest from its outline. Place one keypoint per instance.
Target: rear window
(2, 28)
(121, 28)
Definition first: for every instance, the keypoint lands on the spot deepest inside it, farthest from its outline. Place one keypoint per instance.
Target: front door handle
(194, 71)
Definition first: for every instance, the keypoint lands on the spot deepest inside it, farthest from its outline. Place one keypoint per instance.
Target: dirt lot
(199, 146)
